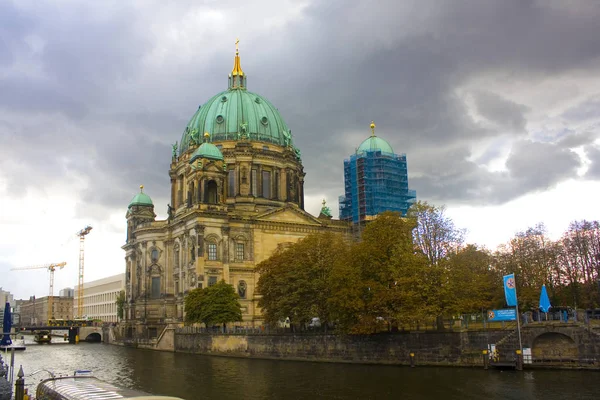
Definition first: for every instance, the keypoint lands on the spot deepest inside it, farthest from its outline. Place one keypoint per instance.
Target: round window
(220, 119)
(224, 99)
(264, 120)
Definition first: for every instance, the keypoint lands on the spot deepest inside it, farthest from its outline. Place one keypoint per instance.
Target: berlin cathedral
(237, 194)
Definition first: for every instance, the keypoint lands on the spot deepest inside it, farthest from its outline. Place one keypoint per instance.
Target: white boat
(82, 385)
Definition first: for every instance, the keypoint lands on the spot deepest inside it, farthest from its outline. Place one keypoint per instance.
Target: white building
(66, 292)
(99, 298)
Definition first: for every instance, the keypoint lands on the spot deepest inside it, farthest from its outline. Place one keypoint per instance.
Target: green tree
(472, 285)
(295, 282)
(384, 281)
(120, 302)
(217, 304)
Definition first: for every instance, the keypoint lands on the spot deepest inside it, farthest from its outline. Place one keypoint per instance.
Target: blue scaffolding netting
(375, 182)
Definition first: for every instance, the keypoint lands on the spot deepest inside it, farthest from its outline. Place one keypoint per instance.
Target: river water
(194, 377)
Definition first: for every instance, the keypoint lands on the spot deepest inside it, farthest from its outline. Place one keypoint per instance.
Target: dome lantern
(141, 199)
(374, 143)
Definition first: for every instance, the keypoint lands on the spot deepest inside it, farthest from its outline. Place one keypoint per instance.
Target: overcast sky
(495, 104)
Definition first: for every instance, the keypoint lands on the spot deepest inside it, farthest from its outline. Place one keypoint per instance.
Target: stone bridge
(90, 334)
(561, 341)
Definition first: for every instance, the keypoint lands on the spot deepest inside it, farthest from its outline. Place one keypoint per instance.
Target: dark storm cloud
(504, 113)
(111, 111)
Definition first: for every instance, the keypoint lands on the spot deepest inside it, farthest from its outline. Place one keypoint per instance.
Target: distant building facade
(66, 292)
(99, 298)
(35, 310)
(375, 180)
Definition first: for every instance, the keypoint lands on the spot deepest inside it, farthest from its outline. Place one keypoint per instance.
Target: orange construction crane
(82, 233)
(50, 267)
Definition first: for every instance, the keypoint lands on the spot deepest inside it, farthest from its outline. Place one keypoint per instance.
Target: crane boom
(50, 267)
(82, 233)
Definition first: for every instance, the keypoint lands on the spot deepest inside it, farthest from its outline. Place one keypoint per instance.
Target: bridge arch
(90, 334)
(93, 337)
(551, 346)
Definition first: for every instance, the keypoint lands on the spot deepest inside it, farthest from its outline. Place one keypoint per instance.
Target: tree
(532, 257)
(120, 302)
(217, 304)
(295, 282)
(383, 281)
(434, 233)
(578, 263)
(472, 285)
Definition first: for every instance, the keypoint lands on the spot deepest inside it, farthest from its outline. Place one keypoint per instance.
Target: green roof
(374, 143)
(141, 199)
(207, 150)
(233, 114)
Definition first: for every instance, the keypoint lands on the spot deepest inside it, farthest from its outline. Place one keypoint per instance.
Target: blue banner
(544, 300)
(510, 290)
(507, 314)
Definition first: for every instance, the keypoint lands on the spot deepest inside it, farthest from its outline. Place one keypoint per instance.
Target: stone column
(225, 234)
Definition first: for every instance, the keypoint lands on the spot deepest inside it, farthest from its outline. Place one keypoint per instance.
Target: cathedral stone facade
(237, 194)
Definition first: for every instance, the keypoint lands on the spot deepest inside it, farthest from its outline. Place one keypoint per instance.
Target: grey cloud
(330, 72)
(536, 166)
(586, 110)
(504, 113)
(576, 139)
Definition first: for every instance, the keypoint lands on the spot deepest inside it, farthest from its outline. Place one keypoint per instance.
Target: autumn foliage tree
(403, 272)
(217, 304)
(296, 282)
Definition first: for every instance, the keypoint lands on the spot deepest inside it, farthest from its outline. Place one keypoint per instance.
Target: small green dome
(374, 143)
(207, 150)
(141, 199)
(237, 113)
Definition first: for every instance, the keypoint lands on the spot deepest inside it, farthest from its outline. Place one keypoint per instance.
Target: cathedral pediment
(289, 215)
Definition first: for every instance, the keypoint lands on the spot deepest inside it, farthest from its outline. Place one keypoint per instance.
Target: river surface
(194, 377)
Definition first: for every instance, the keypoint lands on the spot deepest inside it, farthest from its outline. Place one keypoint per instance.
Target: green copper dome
(374, 143)
(235, 114)
(207, 150)
(141, 199)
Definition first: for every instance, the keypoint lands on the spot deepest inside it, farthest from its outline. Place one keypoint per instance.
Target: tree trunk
(439, 321)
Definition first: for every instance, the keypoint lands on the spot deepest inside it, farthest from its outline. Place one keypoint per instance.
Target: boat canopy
(88, 387)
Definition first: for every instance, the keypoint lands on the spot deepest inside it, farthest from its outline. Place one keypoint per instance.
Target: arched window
(212, 251)
(154, 255)
(239, 251)
(210, 196)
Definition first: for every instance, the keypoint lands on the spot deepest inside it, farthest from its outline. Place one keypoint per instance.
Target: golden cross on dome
(237, 50)
(141, 188)
(324, 202)
(372, 128)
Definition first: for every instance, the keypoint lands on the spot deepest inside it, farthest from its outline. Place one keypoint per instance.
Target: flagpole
(518, 317)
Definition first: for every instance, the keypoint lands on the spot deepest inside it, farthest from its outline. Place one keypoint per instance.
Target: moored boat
(42, 337)
(84, 385)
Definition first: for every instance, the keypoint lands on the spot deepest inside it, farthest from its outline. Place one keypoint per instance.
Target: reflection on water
(193, 376)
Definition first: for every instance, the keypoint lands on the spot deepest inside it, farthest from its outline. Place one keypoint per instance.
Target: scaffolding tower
(374, 182)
